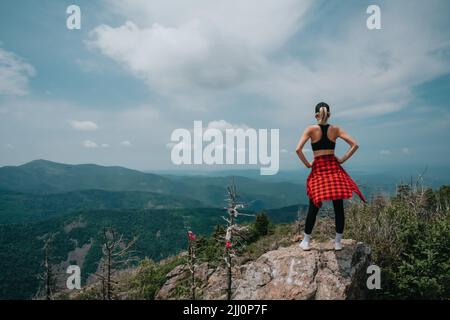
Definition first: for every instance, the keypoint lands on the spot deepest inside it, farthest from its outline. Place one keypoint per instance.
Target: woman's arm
(352, 142)
(305, 136)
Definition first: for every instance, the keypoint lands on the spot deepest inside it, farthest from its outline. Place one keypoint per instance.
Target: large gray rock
(291, 273)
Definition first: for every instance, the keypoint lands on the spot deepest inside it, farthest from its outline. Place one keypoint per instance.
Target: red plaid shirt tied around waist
(329, 181)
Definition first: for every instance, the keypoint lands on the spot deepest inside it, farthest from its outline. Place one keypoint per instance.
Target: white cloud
(223, 125)
(14, 74)
(370, 111)
(385, 152)
(210, 45)
(90, 144)
(125, 143)
(105, 145)
(84, 125)
(363, 73)
(406, 150)
(241, 46)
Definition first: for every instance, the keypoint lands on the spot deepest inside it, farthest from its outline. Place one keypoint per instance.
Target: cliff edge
(285, 273)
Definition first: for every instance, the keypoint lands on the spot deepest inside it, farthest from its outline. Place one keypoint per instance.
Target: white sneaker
(305, 245)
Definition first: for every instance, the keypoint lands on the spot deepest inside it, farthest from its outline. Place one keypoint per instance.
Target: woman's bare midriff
(323, 152)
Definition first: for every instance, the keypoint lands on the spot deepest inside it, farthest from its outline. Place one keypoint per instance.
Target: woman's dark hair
(322, 104)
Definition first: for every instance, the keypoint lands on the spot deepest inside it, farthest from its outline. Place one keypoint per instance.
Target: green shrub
(410, 241)
(261, 224)
(150, 277)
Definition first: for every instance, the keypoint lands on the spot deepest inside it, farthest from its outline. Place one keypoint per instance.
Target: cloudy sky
(113, 92)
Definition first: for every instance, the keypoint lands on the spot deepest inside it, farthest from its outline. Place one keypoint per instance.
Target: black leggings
(338, 214)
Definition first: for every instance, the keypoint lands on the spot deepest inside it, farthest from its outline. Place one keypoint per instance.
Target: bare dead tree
(191, 261)
(116, 254)
(234, 232)
(420, 180)
(47, 278)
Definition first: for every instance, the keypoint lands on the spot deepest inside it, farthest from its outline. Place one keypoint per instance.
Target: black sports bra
(324, 143)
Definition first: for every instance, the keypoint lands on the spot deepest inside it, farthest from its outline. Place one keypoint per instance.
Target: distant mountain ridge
(43, 177)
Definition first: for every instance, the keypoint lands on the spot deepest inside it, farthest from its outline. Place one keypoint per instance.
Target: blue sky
(112, 92)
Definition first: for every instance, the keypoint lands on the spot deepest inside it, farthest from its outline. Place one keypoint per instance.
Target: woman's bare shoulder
(335, 128)
(313, 127)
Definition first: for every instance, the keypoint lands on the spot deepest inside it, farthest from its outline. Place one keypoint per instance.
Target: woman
(327, 180)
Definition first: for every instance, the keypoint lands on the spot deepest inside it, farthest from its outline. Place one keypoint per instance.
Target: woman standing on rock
(327, 180)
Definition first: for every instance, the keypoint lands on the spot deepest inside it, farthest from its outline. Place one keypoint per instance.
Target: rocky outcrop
(180, 275)
(287, 273)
